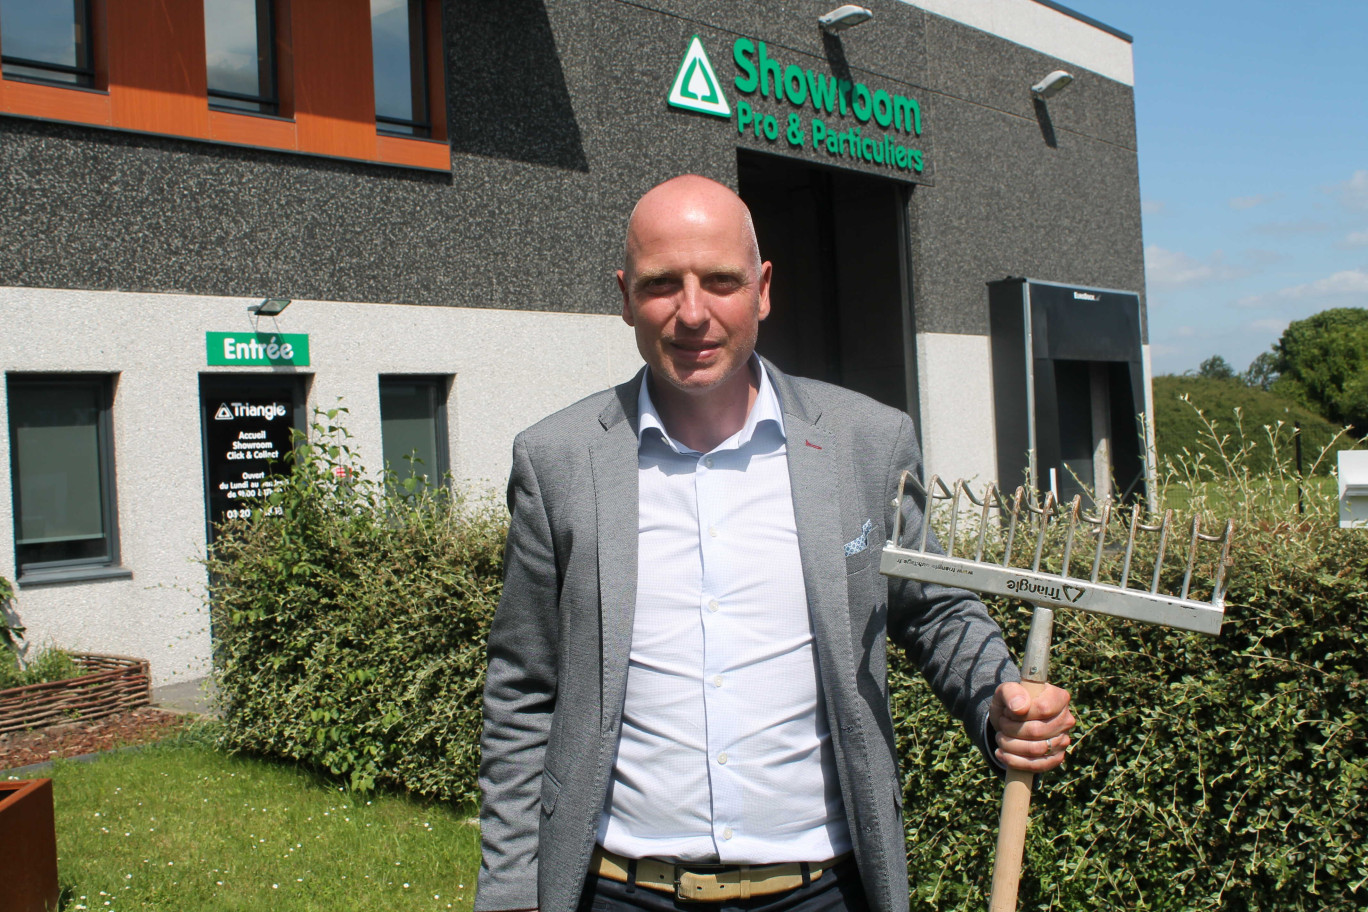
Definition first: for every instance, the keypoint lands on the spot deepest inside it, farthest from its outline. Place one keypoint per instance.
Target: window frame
(268, 40)
(420, 77)
(440, 387)
(86, 71)
(66, 570)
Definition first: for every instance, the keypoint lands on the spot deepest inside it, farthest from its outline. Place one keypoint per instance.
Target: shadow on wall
(505, 88)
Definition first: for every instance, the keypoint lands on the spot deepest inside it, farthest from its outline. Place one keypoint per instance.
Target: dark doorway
(840, 308)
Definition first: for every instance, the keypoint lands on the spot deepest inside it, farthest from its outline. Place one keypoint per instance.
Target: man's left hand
(1032, 733)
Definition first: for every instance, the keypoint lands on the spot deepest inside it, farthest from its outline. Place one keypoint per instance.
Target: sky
(1252, 128)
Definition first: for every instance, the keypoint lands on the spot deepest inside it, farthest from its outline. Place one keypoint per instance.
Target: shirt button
(722, 758)
(712, 530)
(717, 682)
(708, 462)
(727, 833)
(713, 606)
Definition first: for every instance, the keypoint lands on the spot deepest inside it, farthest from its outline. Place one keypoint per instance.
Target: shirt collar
(765, 412)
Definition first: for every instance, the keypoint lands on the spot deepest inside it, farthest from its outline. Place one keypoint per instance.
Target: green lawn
(181, 826)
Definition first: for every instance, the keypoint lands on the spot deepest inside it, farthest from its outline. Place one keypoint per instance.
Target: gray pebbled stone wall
(558, 122)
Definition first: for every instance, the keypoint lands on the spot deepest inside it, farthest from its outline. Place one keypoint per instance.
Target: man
(686, 699)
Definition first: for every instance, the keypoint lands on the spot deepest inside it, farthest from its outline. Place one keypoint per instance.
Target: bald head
(684, 202)
(695, 290)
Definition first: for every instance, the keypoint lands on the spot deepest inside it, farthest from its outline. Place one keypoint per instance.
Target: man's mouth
(697, 348)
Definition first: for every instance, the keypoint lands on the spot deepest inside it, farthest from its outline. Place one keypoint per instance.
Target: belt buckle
(682, 891)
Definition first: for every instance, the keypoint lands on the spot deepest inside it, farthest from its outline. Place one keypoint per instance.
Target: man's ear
(766, 271)
(626, 299)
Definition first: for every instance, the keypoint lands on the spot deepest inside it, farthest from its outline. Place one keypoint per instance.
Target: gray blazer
(558, 648)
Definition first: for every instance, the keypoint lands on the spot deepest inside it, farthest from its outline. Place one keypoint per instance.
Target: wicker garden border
(111, 684)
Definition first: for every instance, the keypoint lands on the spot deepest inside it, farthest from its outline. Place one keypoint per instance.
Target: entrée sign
(257, 349)
(696, 88)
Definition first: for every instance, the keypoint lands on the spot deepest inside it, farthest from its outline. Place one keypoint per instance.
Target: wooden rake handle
(1016, 795)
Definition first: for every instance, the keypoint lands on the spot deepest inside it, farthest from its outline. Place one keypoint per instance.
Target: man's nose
(693, 304)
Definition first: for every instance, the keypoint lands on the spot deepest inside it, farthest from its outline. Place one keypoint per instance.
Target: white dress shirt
(725, 754)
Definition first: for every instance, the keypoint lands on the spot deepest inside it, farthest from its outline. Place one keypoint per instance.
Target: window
(239, 51)
(47, 41)
(62, 469)
(413, 428)
(399, 49)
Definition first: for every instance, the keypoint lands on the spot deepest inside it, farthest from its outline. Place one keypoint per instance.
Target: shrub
(51, 664)
(1207, 773)
(350, 625)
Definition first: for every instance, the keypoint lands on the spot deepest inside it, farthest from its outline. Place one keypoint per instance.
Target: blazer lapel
(613, 457)
(815, 473)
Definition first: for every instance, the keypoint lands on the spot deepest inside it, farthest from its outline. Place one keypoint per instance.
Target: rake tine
(1163, 540)
(1046, 511)
(1130, 544)
(1101, 537)
(1218, 588)
(930, 506)
(954, 516)
(1192, 552)
(1074, 508)
(983, 519)
(1017, 501)
(897, 506)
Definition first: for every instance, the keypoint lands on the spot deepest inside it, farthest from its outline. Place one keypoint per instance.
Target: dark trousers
(838, 890)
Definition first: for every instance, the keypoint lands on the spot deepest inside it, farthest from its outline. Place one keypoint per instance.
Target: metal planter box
(28, 847)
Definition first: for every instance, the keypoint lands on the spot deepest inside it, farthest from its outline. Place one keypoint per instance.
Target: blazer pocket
(550, 792)
(859, 551)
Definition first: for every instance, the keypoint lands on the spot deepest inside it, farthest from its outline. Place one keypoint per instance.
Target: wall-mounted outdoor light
(270, 307)
(843, 17)
(1051, 85)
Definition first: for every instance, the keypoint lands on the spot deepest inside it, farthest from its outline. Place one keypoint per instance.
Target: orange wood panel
(250, 130)
(157, 79)
(334, 87)
(417, 153)
(284, 49)
(432, 9)
(55, 103)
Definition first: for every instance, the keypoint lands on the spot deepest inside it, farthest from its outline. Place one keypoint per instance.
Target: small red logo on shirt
(811, 444)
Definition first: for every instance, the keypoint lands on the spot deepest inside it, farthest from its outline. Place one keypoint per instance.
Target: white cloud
(1348, 283)
(1249, 202)
(1355, 239)
(1174, 269)
(1272, 325)
(1353, 193)
(1152, 207)
(1300, 226)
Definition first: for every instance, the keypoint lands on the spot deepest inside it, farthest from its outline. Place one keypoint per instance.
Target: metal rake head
(1056, 589)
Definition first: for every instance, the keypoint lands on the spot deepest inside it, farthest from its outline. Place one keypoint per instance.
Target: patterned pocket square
(855, 547)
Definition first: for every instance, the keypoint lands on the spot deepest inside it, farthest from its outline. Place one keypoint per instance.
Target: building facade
(440, 190)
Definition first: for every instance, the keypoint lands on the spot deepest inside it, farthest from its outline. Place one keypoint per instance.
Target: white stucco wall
(1043, 29)
(511, 368)
(955, 374)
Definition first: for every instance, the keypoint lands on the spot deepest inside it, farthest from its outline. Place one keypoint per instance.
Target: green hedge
(1208, 773)
(349, 627)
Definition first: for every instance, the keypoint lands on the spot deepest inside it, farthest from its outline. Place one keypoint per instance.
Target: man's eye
(724, 283)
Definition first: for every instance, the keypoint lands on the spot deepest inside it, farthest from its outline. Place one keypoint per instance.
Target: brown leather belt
(709, 882)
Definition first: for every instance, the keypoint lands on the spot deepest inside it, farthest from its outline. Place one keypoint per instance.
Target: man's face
(693, 290)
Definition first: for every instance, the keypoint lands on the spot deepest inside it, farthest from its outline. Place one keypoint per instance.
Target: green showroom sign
(254, 349)
(841, 117)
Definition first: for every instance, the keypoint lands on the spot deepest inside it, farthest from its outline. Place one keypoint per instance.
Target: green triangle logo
(695, 85)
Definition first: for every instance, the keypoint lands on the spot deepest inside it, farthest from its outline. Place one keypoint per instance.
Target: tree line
(1321, 362)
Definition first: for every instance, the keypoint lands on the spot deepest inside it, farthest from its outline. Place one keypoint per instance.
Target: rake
(1046, 592)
